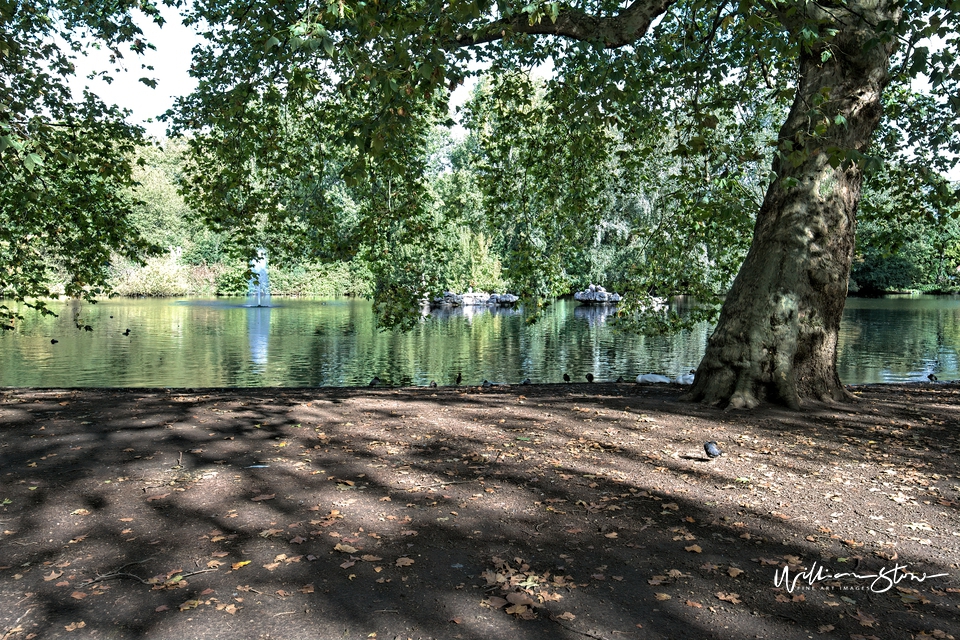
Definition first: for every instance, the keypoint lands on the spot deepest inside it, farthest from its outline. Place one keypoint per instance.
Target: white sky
(171, 62)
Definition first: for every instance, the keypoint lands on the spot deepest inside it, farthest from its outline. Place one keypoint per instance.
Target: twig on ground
(442, 484)
(16, 624)
(122, 574)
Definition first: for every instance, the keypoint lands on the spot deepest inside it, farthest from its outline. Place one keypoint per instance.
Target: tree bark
(776, 340)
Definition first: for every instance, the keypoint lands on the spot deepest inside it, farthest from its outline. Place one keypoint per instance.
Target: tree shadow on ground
(542, 511)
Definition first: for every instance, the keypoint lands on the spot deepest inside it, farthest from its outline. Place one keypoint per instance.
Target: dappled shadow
(408, 512)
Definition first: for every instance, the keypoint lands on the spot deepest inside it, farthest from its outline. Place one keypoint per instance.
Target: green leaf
(271, 43)
(31, 161)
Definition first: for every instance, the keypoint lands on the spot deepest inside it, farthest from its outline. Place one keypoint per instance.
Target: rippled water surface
(223, 343)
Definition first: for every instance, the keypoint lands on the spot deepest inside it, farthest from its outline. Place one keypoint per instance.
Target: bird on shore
(486, 384)
(459, 378)
(433, 384)
(127, 332)
(620, 379)
(713, 451)
(526, 381)
(54, 341)
(375, 381)
(932, 378)
(566, 377)
(589, 377)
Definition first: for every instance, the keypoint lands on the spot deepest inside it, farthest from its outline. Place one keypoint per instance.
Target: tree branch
(613, 31)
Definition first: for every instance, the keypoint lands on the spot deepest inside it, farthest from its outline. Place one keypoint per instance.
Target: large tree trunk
(776, 340)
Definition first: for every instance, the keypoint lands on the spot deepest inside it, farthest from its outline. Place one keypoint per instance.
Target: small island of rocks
(595, 294)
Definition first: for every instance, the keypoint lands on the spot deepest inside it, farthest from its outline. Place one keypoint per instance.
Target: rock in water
(654, 378)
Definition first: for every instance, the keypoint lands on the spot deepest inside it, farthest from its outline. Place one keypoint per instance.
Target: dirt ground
(554, 511)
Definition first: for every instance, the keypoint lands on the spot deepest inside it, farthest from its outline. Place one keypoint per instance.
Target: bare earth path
(560, 511)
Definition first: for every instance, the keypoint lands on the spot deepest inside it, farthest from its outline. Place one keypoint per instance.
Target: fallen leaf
(370, 558)
(694, 548)
(691, 603)
(345, 565)
(53, 575)
(78, 595)
(733, 572)
(404, 562)
(268, 533)
(160, 496)
(662, 596)
(519, 598)
(271, 566)
(729, 597)
(864, 619)
(219, 554)
(189, 604)
(73, 626)
(566, 615)
(825, 628)
(237, 565)
(298, 540)
(264, 497)
(162, 608)
(307, 588)
(516, 609)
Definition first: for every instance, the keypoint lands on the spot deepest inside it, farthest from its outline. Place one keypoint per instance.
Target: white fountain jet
(259, 283)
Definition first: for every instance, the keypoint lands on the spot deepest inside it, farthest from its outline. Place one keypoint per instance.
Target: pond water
(308, 343)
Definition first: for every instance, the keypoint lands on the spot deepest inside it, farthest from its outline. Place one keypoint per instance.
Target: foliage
(909, 233)
(65, 161)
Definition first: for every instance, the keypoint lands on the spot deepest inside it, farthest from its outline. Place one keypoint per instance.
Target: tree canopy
(65, 159)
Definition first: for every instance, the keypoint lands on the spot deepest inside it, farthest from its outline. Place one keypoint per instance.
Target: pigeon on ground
(375, 381)
(713, 451)
(486, 384)
(620, 379)
(433, 384)
(566, 377)
(526, 381)
(932, 378)
(459, 378)
(589, 377)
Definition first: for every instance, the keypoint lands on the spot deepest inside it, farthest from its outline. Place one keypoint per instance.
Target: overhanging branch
(613, 31)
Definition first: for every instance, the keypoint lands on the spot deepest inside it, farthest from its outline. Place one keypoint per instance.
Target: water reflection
(258, 333)
(198, 343)
(594, 314)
